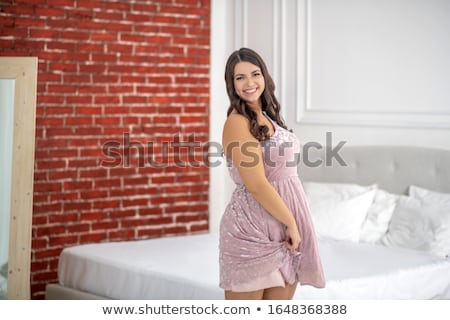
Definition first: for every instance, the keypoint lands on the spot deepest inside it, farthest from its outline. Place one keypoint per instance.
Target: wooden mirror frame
(24, 71)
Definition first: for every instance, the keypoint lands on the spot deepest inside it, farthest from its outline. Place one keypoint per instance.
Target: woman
(267, 240)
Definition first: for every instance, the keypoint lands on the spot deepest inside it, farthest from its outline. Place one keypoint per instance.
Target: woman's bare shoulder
(236, 121)
(236, 128)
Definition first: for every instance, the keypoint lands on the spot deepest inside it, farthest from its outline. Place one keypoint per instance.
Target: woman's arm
(245, 152)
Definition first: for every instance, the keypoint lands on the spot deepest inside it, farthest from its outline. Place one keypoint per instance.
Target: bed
(390, 241)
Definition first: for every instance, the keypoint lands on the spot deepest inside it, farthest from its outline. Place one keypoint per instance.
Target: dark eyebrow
(241, 74)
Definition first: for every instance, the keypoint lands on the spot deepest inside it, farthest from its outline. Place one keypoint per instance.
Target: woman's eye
(257, 74)
(239, 78)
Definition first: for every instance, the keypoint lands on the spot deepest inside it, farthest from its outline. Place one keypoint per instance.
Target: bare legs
(275, 293)
(252, 295)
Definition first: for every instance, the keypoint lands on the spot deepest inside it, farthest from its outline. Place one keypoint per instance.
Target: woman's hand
(292, 237)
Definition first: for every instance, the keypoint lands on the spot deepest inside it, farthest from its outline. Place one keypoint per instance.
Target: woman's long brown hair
(269, 102)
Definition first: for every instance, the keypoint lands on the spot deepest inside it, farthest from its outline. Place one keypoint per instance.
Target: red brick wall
(116, 79)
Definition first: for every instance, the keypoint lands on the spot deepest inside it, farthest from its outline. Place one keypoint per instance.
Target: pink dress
(253, 254)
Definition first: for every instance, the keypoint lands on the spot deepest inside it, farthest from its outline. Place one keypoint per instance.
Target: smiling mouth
(250, 91)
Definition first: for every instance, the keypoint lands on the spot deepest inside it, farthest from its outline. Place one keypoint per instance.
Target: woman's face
(249, 82)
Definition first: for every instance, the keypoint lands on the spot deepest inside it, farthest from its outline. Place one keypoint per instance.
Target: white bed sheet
(186, 267)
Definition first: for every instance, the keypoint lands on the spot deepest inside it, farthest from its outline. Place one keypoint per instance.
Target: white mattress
(186, 267)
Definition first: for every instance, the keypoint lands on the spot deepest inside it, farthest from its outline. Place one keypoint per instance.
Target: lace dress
(253, 254)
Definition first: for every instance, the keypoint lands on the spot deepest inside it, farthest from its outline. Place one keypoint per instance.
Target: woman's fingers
(292, 239)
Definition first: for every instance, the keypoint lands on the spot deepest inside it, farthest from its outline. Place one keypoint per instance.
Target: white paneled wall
(368, 71)
(377, 63)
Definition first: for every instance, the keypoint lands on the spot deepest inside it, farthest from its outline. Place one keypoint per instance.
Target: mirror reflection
(6, 134)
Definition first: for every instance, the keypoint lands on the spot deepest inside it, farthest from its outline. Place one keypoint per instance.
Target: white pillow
(378, 216)
(335, 191)
(429, 196)
(338, 210)
(419, 225)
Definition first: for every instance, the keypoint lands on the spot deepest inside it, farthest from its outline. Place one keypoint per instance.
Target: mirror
(6, 133)
(18, 78)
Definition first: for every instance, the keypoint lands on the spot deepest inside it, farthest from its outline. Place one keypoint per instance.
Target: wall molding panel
(353, 63)
(365, 67)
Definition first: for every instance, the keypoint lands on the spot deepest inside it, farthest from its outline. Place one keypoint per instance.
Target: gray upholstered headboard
(393, 168)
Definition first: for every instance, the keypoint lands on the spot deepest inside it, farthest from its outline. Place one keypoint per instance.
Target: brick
(69, 3)
(82, 163)
(137, 17)
(62, 88)
(150, 211)
(43, 275)
(120, 27)
(88, 131)
(84, 89)
(50, 164)
(152, 233)
(199, 227)
(90, 47)
(107, 121)
(17, 10)
(191, 218)
(109, 16)
(62, 218)
(194, 3)
(77, 78)
(122, 213)
(70, 121)
(120, 6)
(105, 225)
(49, 121)
(76, 206)
(122, 48)
(78, 228)
(53, 230)
(111, 204)
(77, 185)
(93, 237)
(173, 30)
(134, 99)
(138, 38)
(111, 57)
(93, 173)
(147, 28)
(93, 152)
(122, 235)
(92, 216)
(160, 39)
(44, 33)
(58, 110)
(28, 22)
(91, 25)
(66, 46)
(103, 36)
(107, 183)
(91, 4)
(175, 230)
(67, 196)
(134, 202)
(49, 12)
(46, 208)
